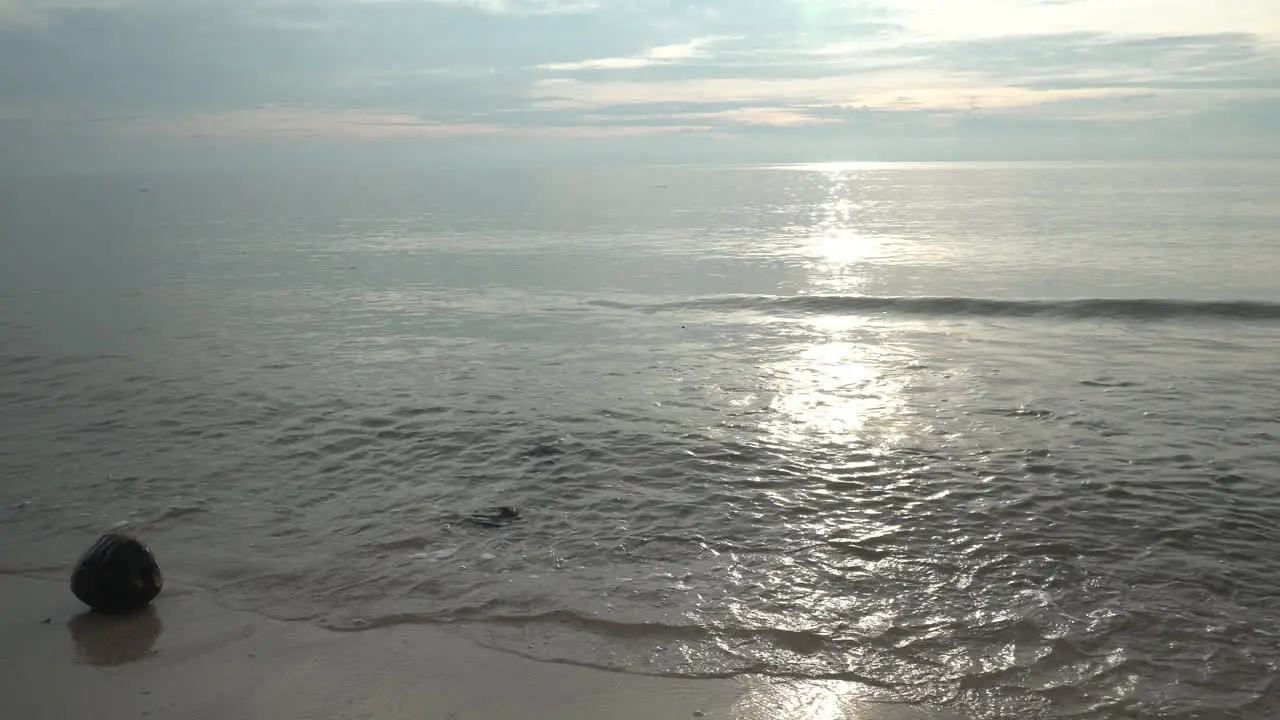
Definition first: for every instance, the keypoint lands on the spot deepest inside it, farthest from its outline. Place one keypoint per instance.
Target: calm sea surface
(1003, 439)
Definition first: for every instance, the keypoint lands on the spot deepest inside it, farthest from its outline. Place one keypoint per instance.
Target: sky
(187, 82)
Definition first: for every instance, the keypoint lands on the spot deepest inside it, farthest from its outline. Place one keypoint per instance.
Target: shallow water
(996, 438)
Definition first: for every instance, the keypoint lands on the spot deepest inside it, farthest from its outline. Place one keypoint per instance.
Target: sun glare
(835, 383)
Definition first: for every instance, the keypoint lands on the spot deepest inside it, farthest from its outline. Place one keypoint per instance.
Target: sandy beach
(188, 657)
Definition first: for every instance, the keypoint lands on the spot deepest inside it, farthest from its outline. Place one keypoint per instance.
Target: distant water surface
(995, 438)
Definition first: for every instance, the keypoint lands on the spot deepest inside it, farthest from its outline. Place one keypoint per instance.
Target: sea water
(996, 438)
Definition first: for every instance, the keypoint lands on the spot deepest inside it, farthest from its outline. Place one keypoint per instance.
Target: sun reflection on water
(831, 388)
(778, 699)
(831, 581)
(786, 700)
(837, 251)
(836, 380)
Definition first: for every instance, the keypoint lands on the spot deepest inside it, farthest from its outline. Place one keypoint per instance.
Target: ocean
(996, 438)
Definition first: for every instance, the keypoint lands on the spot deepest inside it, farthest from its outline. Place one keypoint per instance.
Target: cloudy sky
(113, 81)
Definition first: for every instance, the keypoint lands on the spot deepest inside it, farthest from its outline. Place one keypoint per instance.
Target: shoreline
(188, 657)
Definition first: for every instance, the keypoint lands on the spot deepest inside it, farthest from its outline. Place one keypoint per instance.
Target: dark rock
(495, 516)
(117, 575)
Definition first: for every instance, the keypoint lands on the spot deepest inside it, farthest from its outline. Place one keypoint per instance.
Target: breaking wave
(1084, 308)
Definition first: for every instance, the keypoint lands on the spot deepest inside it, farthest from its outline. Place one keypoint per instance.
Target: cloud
(336, 124)
(925, 92)
(1103, 60)
(42, 11)
(596, 132)
(28, 13)
(1006, 72)
(774, 116)
(303, 121)
(979, 19)
(793, 72)
(184, 58)
(662, 54)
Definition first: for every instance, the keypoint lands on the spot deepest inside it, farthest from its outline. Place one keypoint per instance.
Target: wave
(1084, 308)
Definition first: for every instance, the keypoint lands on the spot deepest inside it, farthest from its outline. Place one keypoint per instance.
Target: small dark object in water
(495, 516)
(46, 621)
(117, 575)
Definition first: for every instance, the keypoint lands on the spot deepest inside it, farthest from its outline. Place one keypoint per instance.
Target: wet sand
(188, 657)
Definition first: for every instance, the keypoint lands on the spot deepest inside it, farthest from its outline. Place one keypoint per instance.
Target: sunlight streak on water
(840, 249)
(829, 392)
(766, 699)
(837, 382)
